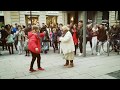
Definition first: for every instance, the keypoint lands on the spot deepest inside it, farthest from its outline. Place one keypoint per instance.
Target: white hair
(65, 28)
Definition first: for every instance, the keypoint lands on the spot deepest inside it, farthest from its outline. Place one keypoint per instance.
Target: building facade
(64, 17)
(92, 16)
(114, 17)
(38, 17)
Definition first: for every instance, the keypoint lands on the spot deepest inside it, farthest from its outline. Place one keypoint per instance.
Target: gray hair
(65, 28)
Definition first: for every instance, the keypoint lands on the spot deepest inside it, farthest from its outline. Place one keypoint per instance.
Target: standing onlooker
(67, 46)
(50, 35)
(34, 47)
(3, 36)
(54, 39)
(59, 34)
(94, 38)
(46, 42)
(14, 30)
(20, 33)
(80, 36)
(26, 46)
(102, 37)
(75, 36)
(89, 34)
(0, 42)
(9, 39)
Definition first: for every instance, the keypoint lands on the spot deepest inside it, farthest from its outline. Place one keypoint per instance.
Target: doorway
(1, 21)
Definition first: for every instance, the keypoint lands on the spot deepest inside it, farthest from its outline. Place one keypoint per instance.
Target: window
(51, 20)
(35, 20)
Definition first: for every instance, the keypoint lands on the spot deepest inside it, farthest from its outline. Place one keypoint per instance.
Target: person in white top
(20, 33)
(94, 38)
(67, 46)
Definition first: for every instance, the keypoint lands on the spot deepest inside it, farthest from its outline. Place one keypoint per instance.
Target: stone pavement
(90, 67)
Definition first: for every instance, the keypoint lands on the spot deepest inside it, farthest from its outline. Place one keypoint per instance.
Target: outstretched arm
(42, 35)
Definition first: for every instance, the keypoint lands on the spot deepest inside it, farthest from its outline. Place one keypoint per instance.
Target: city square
(52, 37)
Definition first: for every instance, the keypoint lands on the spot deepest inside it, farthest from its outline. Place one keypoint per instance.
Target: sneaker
(79, 54)
(41, 69)
(92, 54)
(98, 54)
(25, 55)
(32, 70)
(0, 54)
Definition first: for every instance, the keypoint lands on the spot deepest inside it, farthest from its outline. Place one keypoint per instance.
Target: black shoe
(45, 52)
(25, 55)
(0, 54)
(54, 50)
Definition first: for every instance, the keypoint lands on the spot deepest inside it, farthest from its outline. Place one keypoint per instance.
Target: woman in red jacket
(34, 47)
(75, 37)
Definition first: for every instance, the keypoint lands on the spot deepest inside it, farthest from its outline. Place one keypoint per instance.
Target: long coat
(67, 43)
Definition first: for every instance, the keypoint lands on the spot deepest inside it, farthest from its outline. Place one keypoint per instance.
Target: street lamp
(31, 17)
(84, 32)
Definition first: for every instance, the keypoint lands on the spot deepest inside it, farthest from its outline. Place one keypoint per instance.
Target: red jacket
(34, 42)
(75, 39)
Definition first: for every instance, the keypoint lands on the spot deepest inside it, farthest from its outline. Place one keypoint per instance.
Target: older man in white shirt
(67, 46)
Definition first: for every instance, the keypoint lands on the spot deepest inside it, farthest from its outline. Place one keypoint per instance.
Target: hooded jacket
(34, 42)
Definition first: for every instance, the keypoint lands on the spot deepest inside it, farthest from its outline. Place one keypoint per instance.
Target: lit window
(72, 19)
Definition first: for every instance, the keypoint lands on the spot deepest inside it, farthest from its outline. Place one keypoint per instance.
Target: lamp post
(84, 32)
(31, 17)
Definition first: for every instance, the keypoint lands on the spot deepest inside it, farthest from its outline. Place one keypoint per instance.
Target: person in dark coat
(4, 35)
(54, 39)
(102, 37)
(113, 33)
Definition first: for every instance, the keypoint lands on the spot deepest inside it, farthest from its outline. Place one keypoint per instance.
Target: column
(15, 17)
(99, 17)
(111, 17)
(22, 18)
(7, 17)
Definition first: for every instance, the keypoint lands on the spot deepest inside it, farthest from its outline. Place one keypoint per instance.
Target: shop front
(52, 17)
(72, 16)
(35, 20)
(51, 20)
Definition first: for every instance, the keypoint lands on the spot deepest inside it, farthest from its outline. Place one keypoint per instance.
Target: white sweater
(67, 44)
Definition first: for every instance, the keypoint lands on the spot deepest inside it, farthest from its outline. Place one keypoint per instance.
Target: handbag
(10, 39)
